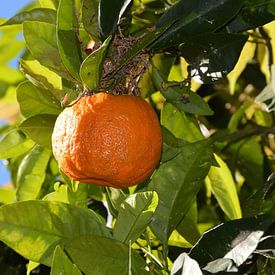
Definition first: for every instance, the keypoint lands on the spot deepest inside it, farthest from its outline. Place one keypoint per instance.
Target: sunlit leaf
(32, 173)
(91, 68)
(41, 15)
(34, 100)
(134, 215)
(39, 128)
(34, 228)
(100, 255)
(14, 144)
(224, 189)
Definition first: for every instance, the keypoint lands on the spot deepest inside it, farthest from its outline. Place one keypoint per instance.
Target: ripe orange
(109, 140)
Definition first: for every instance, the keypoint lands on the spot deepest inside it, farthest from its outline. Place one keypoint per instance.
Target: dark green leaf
(185, 100)
(100, 255)
(32, 173)
(177, 183)
(41, 15)
(185, 265)
(135, 213)
(14, 144)
(67, 41)
(188, 226)
(90, 18)
(109, 15)
(41, 41)
(212, 56)
(255, 13)
(39, 128)
(34, 228)
(62, 264)
(34, 100)
(91, 68)
(234, 240)
(193, 17)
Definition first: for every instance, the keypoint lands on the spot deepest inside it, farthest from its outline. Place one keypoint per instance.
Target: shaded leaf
(234, 240)
(67, 42)
(184, 99)
(177, 182)
(192, 17)
(39, 128)
(62, 264)
(109, 14)
(212, 56)
(134, 215)
(188, 226)
(14, 144)
(219, 266)
(91, 68)
(184, 265)
(34, 100)
(90, 18)
(41, 15)
(32, 173)
(224, 189)
(255, 13)
(100, 255)
(34, 228)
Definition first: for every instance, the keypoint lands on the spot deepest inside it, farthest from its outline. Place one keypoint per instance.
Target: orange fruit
(109, 140)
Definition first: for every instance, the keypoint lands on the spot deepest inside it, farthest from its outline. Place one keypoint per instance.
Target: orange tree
(206, 68)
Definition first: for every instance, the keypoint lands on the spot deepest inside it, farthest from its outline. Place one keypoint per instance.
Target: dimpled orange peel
(109, 140)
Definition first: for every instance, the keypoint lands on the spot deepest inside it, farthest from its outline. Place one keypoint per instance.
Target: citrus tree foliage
(206, 67)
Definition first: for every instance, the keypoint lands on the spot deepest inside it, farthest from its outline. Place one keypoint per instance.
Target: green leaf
(34, 100)
(115, 198)
(255, 13)
(192, 17)
(10, 49)
(39, 128)
(212, 56)
(14, 144)
(7, 195)
(185, 265)
(34, 228)
(224, 189)
(51, 4)
(32, 173)
(90, 18)
(91, 68)
(177, 183)
(62, 264)
(40, 75)
(100, 255)
(221, 266)
(185, 100)
(110, 13)
(181, 125)
(188, 226)
(5, 75)
(41, 41)
(234, 240)
(134, 215)
(67, 41)
(41, 15)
